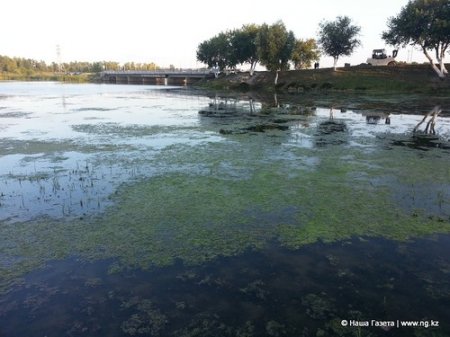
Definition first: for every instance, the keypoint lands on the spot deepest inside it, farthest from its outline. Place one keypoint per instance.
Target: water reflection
(49, 131)
(376, 117)
(229, 106)
(241, 115)
(430, 126)
(332, 131)
(426, 138)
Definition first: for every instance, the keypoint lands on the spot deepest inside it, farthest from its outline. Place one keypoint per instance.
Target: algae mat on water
(243, 193)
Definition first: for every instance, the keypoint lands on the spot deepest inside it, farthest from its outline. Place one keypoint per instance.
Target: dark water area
(161, 211)
(270, 292)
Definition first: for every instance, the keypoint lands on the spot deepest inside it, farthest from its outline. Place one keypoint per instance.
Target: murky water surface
(159, 211)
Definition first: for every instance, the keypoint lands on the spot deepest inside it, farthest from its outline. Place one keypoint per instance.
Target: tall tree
(275, 45)
(97, 67)
(111, 65)
(244, 45)
(425, 23)
(305, 52)
(339, 37)
(217, 51)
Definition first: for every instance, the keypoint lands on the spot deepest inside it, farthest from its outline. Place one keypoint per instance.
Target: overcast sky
(168, 32)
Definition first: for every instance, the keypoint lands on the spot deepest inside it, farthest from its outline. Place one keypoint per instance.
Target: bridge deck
(159, 74)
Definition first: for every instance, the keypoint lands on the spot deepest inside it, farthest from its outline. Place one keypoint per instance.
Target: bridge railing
(157, 72)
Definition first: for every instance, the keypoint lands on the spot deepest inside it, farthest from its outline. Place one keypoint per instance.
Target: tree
(8, 64)
(244, 45)
(304, 53)
(217, 51)
(97, 67)
(111, 65)
(275, 45)
(339, 37)
(152, 66)
(425, 23)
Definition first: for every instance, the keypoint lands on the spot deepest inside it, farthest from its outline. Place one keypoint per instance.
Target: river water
(166, 211)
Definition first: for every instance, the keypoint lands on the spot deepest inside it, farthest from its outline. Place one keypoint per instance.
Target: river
(166, 211)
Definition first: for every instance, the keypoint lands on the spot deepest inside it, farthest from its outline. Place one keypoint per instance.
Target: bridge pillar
(165, 80)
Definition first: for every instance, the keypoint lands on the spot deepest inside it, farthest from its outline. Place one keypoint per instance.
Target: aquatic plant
(233, 198)
(148, 320)
(318, 306)
(275, 329)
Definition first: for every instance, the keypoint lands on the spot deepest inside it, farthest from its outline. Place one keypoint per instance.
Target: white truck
(380, 58)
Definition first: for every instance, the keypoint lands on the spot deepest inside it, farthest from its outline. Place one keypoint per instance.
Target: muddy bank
(402, 78)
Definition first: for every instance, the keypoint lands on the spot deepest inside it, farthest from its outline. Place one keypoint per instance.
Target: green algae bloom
(227, 197)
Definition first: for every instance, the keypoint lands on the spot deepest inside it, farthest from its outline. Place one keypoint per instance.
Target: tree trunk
(441, 61)
(252, 68)
(443, 69)
(276, 77)
(438, 71)
(335, 63)
(440, 55)
(442, 66)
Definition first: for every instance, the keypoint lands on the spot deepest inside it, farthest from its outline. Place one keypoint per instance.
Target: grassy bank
(46, 76)
(402, 78)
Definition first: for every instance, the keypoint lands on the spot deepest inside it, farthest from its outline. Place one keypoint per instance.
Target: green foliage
(304, 53)
(138, 66)
(244, 45)
(228, 49)
(110, 65)
(339, 37)
(217, 51)
(420, 22)
(31, 68)
(275, 46)
(97, 67)
(425, 23)
(20, 65)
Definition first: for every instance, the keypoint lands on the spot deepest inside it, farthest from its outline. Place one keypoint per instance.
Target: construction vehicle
(380, 58)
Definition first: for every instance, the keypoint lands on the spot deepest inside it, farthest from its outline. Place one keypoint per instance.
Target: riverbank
(358, 79)
(402, 78)
(47, 76)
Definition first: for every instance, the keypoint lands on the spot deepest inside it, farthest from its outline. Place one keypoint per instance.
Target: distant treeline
(18, 65)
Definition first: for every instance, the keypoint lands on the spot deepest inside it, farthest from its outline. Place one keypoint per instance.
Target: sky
(168, 32)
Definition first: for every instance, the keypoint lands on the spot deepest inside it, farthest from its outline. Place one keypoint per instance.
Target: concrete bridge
(159, 77)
